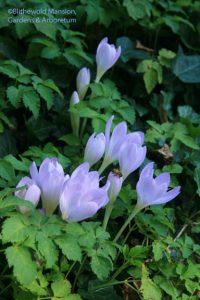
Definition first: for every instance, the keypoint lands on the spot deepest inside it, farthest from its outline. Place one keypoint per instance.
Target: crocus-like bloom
(115, 180)
(126, 148)
(95, 148)
(106, 57)
(152, 191)
(30, 193)
(132, 153)
(50, 179)
(81, 196)
(82, 82)
(75, 119)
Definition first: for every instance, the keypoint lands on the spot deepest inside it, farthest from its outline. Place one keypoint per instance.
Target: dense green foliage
(155, 88)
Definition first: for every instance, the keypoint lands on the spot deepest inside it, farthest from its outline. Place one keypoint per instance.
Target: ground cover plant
(99, 150)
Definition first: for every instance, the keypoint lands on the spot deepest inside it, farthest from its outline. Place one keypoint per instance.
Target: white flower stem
(132, 215)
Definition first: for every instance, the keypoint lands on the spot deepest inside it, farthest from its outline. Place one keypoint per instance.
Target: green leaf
(157, 250)
(61, 288)
(197, 179)
(50, 52)
(187, 112)
(138, 9)
(187, 68)
(15, 229)
(47, 249)
(32, 102)
(23, 29)
(6, 170)
(150, 80)
(14, 95)
(46, 93)
(101, 266)
(148, 288)
(69, 246)
(24, 268)
(167, 286)
(47, 29)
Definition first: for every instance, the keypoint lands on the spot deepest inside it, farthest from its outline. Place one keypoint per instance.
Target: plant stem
(79, 271)
(70, 268)
(108, 211)
(119, 270)
(83, 126)
(104, 165)
(135, 211)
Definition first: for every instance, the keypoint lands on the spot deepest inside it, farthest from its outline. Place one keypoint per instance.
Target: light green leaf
(61, 288)
(148, 288)
(15, 229)
(101, 266)
(32, 102)
(24, 268)
(47, 249)
(69, 246)
(150, 80)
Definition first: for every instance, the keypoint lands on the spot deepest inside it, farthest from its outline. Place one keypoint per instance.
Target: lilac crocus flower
(50, 179)
(106, 57)
(82, 82)
(95, 148)
(75, 119)
(152, 191)
(30, 193)
(81, 196)
(132, 153)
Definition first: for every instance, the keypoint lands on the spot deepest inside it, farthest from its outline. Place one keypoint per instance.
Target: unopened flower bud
(115, 179)
(95, 148)
(82, 82)
(75, 119)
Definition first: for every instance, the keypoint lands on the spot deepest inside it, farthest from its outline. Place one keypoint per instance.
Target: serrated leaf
(47, 29)
(46, 93)
(101, 266)
(47, 249)
(32, 102)
(24, 268)
(15, 229)
(157, 250)
(69, 247)
(148, 288)
(6, 170)
(61, 288)
(14, 96)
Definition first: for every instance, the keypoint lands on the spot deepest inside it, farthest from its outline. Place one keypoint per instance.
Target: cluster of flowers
(80, 195)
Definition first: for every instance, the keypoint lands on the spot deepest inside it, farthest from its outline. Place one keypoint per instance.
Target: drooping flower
(81, 196)
(50, 179)
(95, 148)
(106, 57)
(116, 181)
(75, 119)
(152, 191)
(30, 193)
(82, 82)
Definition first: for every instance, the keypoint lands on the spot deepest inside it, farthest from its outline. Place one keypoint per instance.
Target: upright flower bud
(82, 82)
(30, 193)
(95, 148)
(106, 57)
(115, 180)
(75, 119)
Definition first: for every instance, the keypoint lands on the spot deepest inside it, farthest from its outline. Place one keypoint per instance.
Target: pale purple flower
(50, 179)
(81, 196)
(106, 57)
(30, 193)
(75, 119)
(152, 191)
(126, 148)
(95, 148)
(82, 82)
(116, 181)
(132, 153)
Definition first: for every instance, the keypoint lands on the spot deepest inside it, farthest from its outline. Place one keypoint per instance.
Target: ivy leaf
(148, 288)
(24, 268)
(47, 249)
(69, 247)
